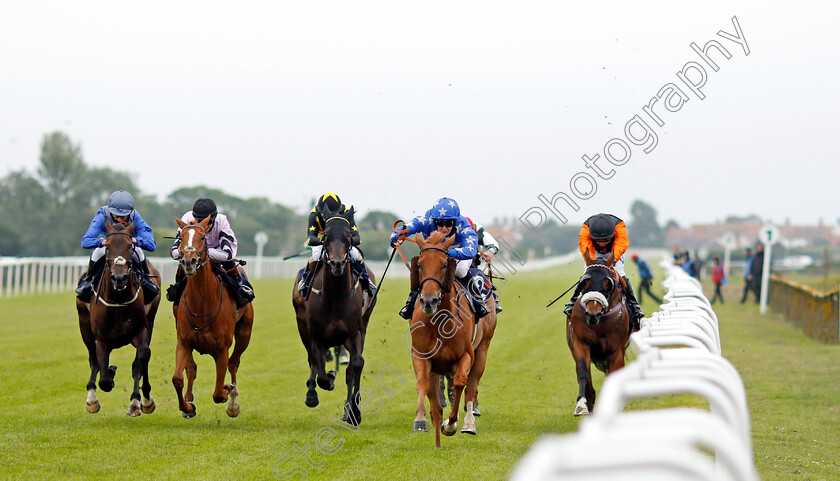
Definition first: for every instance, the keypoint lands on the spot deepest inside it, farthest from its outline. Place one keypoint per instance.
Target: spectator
(719, 278)
(647, 278)
(747, 276)
(756, 271)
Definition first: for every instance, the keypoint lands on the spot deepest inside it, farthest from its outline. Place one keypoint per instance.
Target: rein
(119, 261)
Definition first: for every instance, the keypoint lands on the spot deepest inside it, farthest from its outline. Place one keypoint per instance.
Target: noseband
(203, 255)
(444, 282)
(613, 277)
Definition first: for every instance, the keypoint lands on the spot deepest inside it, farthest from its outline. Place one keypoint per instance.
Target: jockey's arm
(91, 239)
(143, 234)
(621, 242)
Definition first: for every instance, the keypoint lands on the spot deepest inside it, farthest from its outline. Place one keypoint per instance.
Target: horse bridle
(433, 278)
(324, 253)
(615, 283)
(203, 255)
(119, 260)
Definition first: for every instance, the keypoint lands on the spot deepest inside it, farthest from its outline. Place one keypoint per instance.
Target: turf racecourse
(529, 389)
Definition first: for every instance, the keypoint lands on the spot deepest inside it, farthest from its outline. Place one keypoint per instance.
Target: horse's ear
(350, 213)
(181, 224)
(205, 223)
(610, 259)
(448, 243)
(130, 228)
(420, 241)
(586, 257)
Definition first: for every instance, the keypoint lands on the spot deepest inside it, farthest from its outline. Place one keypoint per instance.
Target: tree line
(45, 213)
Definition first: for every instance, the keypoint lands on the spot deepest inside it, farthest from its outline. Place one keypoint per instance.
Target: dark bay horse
(599, 327)
(117, 315)
(336, 313)
(207, 320)
(445, 339)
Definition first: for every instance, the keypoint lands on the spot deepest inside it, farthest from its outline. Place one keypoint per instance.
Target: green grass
(529, 389)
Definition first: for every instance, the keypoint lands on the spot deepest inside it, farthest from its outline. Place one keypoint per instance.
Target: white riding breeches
(354, 253)
(462, 268)
(99, 253)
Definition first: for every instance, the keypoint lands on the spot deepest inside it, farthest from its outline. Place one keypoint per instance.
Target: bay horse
(599, 328)
(117, 315)
(336, 313)
(445, 338)
(207, 320)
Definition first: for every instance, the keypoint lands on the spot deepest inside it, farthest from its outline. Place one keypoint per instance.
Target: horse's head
(193, 245)
(337, 237)
(118, 251)
(433, 264)
(599, 285)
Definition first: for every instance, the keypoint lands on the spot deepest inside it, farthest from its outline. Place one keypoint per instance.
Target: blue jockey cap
(121, 203)
(446, 208)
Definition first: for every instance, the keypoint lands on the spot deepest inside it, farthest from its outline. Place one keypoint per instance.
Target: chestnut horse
(599, 327)
(445, 339)
(117, 315)
(336, 313)
(207, 320)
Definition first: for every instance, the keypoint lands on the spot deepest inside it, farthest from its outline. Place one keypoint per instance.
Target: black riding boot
(303, 285)
(476, 294)
(360, 269)
(636, 312)
(85, 288)
(150, 289)
(499, 307)
(408, 309)
(571, 305)
(173, 292)
(243, 287)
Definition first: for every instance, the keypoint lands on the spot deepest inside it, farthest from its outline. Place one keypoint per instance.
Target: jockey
(315, 231)
(120, 209)
(221, 247)
(600, 235)
(487, 248)
(445, 217)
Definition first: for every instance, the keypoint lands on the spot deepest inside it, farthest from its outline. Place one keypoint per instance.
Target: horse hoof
(581, 409)
(326, 384)
(233, 412)
(448, 429)
(93, 407)
(189, 414)
(469, 428)
(421, 426)
(106, 387)
(148, 408)
(311, 401)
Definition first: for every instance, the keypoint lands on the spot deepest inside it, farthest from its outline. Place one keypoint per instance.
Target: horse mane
(436, 238)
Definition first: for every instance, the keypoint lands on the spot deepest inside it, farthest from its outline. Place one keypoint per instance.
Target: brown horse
(117, 315)
(336, 313)
(445, 339)
(599, 327)
(207, 320)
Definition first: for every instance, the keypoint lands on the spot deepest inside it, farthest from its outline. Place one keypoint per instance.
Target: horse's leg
(92, 403)
(422, 370)
(181, 360)
(586, 393)
(471, 394)
(221, 391)
(106, 372)
(192, 372)
(353, 378)
(139, 367)
(462, 372)
(317, 362)
(242, 336)
(435, 409)
(148, 404)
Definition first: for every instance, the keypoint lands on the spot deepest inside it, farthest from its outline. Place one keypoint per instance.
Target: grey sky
(393, 104)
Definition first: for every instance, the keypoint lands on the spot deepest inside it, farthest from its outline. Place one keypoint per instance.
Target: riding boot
(85, 287)
(475, 282)
(636, 312)
(243, 287)
(150, 289)
(408, 309)
(367, 285)
(173, 292)
(571, 305)
(499, 307)
(303, 285)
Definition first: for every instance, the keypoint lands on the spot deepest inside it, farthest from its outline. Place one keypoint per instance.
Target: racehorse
(117, 315)
(207, 320)
(599, 327)
(336, 312)
(445, 338)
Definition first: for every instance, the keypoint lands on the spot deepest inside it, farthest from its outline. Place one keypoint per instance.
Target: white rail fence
(36, 275)
(677, 351)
